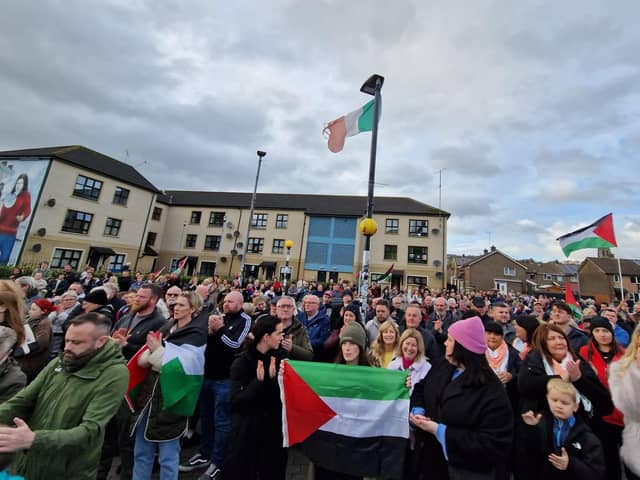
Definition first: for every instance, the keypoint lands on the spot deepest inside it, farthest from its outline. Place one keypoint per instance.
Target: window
(547, 277)
(151, 238)
(208, 268)
(417, 255)
(216, 219)
(77, 222)
(255, 245)
(190, 241)
(558, 278)
(87, 188)
(418, 281)
(391, 225)
(282, 219)
(259, 220)
(212, 242)
(195, 217)
(509, 272)
(635, 279)
(62, 256)
(616, 278)
(278, 245)
(112, 227)
(157, 213)
(418, 228)
(573, 279)
(121, 196)
(390, 252)
(117, 262)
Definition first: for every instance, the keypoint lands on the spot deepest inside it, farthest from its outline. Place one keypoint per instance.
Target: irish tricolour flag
(181, 377)
(347, 419)
(599, 234)
(360, 120)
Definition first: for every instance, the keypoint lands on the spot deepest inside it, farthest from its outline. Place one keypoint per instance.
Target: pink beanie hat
(470, 334)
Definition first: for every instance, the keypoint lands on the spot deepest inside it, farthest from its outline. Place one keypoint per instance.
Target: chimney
(486, 251)
(493, 248)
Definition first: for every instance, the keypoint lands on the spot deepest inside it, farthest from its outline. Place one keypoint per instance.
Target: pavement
(297, 467)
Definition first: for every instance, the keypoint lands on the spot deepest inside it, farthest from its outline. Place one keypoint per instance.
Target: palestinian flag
(386, 276)
(360, 120)
(348, 419)
(599, 234)
(570, 300)
(180, 265)
(181, 373)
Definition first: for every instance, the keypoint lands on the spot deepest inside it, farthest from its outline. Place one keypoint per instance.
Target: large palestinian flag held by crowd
(348, 419)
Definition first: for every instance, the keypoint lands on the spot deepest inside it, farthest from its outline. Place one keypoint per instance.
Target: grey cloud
(473, 159)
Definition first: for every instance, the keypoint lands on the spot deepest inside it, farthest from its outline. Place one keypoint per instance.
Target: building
(600, 278)
(211, 229)
(550, 277)
(88, 208)
(494, 270)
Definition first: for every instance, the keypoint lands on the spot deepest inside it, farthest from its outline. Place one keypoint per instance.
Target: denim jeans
(6, 245)
(215, 417)
(144, 452)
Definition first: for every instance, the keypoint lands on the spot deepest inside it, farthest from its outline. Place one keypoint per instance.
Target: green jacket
(68, 413)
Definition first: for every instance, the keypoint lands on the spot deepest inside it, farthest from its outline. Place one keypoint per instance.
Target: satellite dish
(51, 202)
(435, 231)
(234, 252)
(239, 244)
(41, 232)
(437, 263)
(223, 259)
(229, 225)
(236, 233)
(229, 235)
(36, 247)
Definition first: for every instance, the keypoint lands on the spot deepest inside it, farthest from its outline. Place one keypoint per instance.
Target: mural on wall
(20, 185)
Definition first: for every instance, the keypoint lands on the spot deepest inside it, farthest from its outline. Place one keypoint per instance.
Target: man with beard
(58, 421)
(130, 332)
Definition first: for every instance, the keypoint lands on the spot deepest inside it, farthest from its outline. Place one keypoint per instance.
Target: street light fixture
(261, 155)
(371, 86)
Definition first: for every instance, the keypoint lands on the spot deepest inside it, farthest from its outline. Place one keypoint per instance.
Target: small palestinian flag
(570, 300)
(181, 377)
(347, 419)
(599, 234)
(180, 265)
(386, 276)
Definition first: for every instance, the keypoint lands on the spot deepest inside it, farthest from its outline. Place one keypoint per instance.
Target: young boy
(563, 442)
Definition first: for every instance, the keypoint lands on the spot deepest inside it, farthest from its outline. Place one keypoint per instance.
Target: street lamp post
(261, 155)
(288, 244)
(368, 227)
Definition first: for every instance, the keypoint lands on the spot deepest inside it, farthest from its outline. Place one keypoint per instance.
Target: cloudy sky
(530, 108)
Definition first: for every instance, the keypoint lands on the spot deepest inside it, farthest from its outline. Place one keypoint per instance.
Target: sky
(529, 109)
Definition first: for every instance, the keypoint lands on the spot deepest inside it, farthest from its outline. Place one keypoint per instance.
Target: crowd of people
(501, 386)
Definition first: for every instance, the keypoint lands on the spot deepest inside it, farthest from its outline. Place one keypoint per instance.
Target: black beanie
(601, 322)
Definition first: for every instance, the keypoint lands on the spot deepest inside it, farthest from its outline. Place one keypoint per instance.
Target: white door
(501, 286)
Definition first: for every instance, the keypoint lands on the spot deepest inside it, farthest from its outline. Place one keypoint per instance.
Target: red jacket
(591, 353)
(8, 215)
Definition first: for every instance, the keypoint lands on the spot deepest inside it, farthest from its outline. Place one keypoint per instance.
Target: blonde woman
(411, 356)
(624, 382)
(385, 346)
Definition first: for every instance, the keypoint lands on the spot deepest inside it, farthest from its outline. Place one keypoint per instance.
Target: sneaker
(194, 463)
(212, 473)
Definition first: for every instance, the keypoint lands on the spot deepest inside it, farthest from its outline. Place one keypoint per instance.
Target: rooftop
(346, 205)
(86, 158)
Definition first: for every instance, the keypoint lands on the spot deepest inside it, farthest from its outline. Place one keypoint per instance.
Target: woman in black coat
(255, 443)
(467, 421)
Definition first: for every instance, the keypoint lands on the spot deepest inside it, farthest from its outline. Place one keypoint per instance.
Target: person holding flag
(167, 389)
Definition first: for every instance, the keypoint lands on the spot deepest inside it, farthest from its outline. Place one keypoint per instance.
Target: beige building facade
(94, 210)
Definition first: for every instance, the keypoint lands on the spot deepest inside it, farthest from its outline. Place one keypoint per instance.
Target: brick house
(600, 278)
(495, 270)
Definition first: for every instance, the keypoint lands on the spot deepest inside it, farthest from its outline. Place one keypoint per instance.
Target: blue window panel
(320, 226)
(317, 252)
(344, 228)
(342, 254)
(331, 244)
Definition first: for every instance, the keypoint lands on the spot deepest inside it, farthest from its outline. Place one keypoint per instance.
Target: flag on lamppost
(358, 121)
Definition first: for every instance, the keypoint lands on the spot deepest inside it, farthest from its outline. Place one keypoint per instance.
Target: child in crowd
(571, 449)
